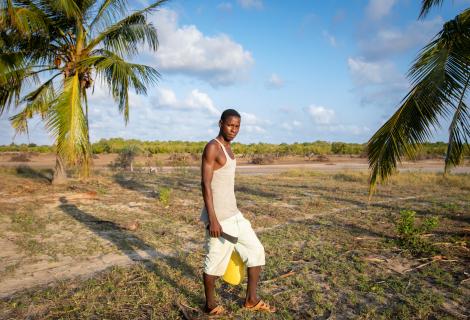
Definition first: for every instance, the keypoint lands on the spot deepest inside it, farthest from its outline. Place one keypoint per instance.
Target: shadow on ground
(130, 245)
(148, 185)
(44, 175)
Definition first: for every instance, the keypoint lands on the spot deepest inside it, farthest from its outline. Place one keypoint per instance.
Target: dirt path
(333, 163)
(342, 166)
(46, 272)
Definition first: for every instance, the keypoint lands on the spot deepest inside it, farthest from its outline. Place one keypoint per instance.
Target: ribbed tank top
(223, 190)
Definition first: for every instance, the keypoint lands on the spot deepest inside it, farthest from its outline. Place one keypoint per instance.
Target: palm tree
(440, 78)
(51, 51)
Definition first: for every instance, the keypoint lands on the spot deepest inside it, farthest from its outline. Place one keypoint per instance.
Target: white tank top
(223, 190)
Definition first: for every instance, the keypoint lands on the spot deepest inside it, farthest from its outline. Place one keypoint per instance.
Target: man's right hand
(215, 229)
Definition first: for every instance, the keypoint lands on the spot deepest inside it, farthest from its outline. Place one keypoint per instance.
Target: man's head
(229, 124)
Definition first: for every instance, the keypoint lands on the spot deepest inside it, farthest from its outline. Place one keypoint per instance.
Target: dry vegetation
(331, 252)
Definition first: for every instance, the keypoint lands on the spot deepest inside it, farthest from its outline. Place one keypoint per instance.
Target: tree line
(308, 149)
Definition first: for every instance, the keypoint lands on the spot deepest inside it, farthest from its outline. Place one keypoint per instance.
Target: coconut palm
(440, 80)
(51, 51)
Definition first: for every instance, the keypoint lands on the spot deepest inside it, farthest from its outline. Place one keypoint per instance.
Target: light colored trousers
(219, 250)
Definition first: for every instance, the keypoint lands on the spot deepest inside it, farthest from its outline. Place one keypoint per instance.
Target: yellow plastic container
(235, 270)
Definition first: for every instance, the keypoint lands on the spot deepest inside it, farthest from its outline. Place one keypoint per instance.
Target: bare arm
(207, 171)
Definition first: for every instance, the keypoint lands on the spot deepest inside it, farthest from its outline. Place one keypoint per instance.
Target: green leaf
(124, 36)
(426, 5)
(120, 76)
(439, 76)
(38, 101)
(66, 122)
(108, 11)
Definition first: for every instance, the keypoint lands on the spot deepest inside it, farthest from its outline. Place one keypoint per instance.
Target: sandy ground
(45, 272)
(334, 163)
(42, 273)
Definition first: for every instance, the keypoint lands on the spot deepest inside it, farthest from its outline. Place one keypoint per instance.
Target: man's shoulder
(211, 144)
(211, 147)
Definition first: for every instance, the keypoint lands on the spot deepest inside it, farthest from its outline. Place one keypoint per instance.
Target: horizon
(202, 141)
(332, 72)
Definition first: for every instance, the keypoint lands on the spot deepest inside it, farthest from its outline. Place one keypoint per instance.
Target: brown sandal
(217, 311)
(262, 306)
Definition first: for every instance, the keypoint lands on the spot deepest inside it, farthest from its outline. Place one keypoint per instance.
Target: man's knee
(256, 256)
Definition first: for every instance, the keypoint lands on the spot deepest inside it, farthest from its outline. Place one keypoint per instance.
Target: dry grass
(337, 249)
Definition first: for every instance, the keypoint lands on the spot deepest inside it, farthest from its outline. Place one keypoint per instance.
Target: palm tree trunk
(90, 159)
(60, 175)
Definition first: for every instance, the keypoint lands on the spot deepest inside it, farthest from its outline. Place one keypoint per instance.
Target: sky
(297, 71)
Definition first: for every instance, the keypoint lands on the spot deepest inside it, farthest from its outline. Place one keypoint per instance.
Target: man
(221, 216)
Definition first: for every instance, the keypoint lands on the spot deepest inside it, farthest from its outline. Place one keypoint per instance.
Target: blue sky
(296, 70)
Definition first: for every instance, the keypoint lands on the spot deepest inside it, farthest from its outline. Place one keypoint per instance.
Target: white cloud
(224, 6)
(289, 126)
(389, 41)
(275, 82)
(251, 4)
(196, 100)
(201, 100)
(254, 129)
(347, 128)
(186, 50)
(378, 83)
(252, 124)
(377, 9)
(365, 72)
(325, 122)
(167, 97)
(320, 114)
(331, 39)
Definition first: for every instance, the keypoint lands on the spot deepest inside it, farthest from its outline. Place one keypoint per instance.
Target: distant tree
(72, 43)
(440, 78)
(127, 156)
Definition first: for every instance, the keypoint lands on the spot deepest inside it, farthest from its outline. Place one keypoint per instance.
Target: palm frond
(44, 92)
(108, 12)
(124, 35)
(68, 8)
(66, 122)
(13, 77)
(38, 102)
(426, 5)
(403, 133)
(121, 76)
(23, 19)
(459, 132)
(438, 76)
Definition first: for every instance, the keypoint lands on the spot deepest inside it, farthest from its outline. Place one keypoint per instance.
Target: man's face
(230, 127)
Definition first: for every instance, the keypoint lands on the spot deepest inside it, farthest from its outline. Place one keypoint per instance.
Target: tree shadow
(132, 184)
(424, 213)
(345, 200)
(44, 175)
(354, 229)
(257, 192)
(132, 246)
(141, 183)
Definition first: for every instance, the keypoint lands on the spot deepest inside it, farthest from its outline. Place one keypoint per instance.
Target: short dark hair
(229, 113)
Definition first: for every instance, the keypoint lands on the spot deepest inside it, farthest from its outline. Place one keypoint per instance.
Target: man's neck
(222, 140)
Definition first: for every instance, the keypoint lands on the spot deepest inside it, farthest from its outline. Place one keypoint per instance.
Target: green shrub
(126, 157)
(21, 157)
(262, 159)
(410, 235)
(164, 195)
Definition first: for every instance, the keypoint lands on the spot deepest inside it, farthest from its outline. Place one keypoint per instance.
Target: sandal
(217, 311)
(262, 306)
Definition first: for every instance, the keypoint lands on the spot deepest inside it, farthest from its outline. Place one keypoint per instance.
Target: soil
(328, 164)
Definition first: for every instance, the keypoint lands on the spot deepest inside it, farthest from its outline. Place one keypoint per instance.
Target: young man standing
(221, 215)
